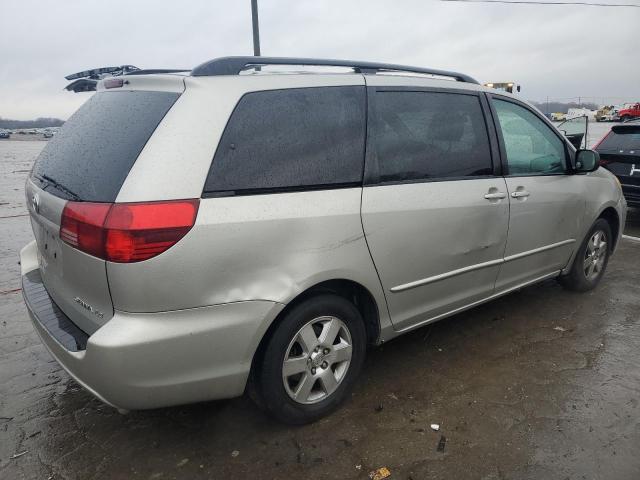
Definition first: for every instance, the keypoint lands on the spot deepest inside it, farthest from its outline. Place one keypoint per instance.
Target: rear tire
(591, 259)
(312, 359)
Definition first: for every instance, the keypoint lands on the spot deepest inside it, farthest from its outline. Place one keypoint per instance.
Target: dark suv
(620, 153)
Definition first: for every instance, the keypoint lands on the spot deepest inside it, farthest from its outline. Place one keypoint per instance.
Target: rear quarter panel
(262, 247)
(175, 162)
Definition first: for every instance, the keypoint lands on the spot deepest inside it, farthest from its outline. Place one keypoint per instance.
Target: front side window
(532, 147)
(294, 139)
(422, 136)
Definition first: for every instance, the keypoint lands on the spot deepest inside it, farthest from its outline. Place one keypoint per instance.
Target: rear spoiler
(626, 127)
(87, 80)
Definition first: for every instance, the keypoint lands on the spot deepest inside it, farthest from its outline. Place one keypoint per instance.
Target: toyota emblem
(35, 203)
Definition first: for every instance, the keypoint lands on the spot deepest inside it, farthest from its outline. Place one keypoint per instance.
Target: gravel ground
(541, 384)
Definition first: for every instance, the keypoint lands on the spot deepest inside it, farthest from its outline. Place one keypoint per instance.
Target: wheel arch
(611, 216)
(351, 290)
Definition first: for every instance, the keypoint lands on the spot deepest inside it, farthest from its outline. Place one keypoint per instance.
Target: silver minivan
(245, 226)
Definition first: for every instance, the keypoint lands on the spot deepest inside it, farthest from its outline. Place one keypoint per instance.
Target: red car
(629, 113)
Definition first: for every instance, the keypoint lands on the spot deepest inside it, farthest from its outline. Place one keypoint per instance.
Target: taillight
(113, 82)
(127, 232)
(82, 226)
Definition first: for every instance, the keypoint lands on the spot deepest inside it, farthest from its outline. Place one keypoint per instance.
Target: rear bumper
(140, 361)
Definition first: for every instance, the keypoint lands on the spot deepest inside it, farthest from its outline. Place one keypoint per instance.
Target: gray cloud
(555, 51)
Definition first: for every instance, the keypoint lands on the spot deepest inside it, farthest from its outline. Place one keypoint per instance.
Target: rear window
(286, 140)
(622, 138)
(92, 154)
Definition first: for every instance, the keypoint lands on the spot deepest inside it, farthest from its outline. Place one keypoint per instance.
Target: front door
(546, 200)
(576, 130)
(434, 214)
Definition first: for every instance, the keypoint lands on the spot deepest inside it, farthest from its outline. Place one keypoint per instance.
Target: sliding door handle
(520, 194)
(495, 196)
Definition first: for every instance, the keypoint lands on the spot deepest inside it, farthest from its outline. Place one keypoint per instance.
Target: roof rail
(234, 65)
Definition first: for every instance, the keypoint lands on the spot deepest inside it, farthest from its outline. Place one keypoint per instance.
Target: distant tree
(560, 107)
(42, 122)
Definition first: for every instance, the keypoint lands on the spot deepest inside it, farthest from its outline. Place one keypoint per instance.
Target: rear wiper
(58, 185)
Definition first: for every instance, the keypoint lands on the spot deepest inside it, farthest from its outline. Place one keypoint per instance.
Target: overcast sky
(555, 51)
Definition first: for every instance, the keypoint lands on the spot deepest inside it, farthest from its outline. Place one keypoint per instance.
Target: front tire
(591, 259)
(311, 361)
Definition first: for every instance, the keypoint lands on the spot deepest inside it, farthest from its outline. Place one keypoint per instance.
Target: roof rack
(234, 65)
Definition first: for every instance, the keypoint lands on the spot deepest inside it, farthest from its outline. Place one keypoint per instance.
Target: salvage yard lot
(541, 383)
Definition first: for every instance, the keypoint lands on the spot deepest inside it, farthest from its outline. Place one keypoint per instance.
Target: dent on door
(437, 246)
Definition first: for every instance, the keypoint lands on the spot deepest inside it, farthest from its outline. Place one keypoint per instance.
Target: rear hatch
(88, 161)
(620, 153)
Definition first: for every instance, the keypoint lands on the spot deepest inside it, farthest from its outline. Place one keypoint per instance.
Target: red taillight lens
(127, 232)
(138, 231)
(82, 226)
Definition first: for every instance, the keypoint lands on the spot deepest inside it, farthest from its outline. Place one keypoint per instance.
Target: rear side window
(621, 140)
(427, 136)
(291, 140)
(91, 156)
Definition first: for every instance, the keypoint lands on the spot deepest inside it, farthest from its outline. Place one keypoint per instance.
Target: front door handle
(495, 196)
(520, 194)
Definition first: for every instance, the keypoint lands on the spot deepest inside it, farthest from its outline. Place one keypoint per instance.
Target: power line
(531, 2)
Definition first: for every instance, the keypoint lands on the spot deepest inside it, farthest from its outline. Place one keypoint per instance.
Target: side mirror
(587, 160)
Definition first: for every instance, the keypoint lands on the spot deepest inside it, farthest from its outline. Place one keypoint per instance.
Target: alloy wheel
(317, 360)
(595, 255)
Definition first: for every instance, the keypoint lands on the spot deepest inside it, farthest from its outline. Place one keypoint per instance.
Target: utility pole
(547, 112)
(256, 28)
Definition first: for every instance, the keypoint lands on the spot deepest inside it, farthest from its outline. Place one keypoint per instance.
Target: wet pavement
(541, 384)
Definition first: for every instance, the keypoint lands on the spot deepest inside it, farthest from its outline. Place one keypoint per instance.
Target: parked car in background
(5, 134)
(620, 153)
(609, 113)
(49, 134)
(581, 112)
(630, 112)
(603, 114)
(558, 116)
(196, 252)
